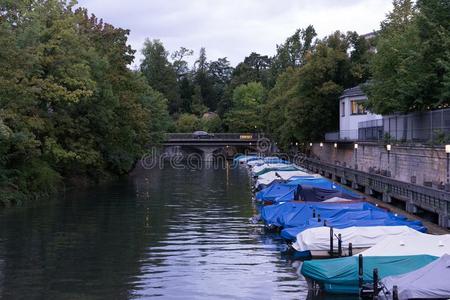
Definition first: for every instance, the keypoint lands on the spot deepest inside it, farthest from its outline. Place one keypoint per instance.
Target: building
(352, 112)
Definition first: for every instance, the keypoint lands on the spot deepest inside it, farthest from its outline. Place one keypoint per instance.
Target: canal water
(168, 233)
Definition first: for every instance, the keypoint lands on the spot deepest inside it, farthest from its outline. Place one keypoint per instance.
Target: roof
(353, 92)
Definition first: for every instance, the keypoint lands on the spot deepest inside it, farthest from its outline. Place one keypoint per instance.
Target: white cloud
(234, 28)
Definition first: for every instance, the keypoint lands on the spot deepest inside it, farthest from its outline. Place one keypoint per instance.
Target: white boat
(429, 282)
(317, 240)
(269, 177)
(411, 243)
(260, 168)
(255, 162)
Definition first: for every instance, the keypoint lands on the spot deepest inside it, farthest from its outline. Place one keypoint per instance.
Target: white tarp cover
(245, 159)
(318, 238)
(412, 243)
(257, 169)
(336, 199)
(269, 177)
(429, 282)
(255, 162)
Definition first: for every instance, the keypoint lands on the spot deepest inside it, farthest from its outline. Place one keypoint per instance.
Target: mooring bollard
(360, 271)
(350, 249)
(339, 245)
(395, 293)
(314, 212)
(318, 218)
(324, 222)
(375, 282)
(331, 241)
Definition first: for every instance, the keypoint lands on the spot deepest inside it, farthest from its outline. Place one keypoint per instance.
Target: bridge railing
(214, 136)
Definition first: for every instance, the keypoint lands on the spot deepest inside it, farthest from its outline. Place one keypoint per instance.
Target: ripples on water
(174, 234)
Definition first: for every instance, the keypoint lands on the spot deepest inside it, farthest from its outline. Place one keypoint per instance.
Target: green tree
(244, 115)
(188, 123)
(412, 66)
(293, 52)
(71, 110)
(160, 73)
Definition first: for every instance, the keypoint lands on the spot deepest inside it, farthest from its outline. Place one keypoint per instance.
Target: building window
(343, 109)
(358, 108)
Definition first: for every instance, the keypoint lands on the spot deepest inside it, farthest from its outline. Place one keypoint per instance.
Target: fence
(431, 127)
(213, 136)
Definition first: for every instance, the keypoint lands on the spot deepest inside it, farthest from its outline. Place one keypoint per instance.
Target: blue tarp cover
(270, 169)
(340, 275)
(354, 218)
(281, 214)
(277, 190)
(306, 189)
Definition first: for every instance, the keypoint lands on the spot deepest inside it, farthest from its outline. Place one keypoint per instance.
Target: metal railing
(430, 199)
(431, 127)
(214, 136)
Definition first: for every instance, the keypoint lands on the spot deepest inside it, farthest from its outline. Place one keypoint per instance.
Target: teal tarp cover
(340, 275)
(270, 169)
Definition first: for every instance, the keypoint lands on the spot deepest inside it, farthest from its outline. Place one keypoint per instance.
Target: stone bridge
(212, 143)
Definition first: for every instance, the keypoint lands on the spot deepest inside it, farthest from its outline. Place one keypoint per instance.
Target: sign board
(248, 136)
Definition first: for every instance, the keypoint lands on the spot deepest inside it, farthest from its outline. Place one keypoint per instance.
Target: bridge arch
(228, 143)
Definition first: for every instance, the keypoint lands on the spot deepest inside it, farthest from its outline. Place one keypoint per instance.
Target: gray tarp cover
(429, 282)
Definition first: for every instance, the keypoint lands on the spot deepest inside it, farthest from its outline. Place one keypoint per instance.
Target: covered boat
(243, 159)
(411, 243)
(340, 275)
(278, 192)
(318, 211)
(266, 168)
(347, 219)
(316, 241)
(282, 214)
(255, 162)
(269, 177)
(429, 282)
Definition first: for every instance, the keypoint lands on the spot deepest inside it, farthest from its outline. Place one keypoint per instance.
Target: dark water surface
(173, 234)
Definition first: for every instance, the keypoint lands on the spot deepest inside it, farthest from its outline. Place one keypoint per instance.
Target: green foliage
(212, 124)
(293, 52)
(411, 71)
(303, 105)
(244, 115)
(160, 73)
(70, 108)
(187, 123)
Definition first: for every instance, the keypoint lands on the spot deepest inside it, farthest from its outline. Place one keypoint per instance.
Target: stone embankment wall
(414, 164)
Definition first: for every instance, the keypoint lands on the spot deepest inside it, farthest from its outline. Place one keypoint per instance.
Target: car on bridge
(201, 135)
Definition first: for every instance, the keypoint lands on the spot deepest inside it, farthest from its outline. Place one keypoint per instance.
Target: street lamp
(388, 148)
(356, 156)
(335, 145)
(447, 150)
(310, 144)
(321, 144)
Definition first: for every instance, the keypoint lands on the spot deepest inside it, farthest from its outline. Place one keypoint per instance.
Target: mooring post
(339, 245)
(375, 283)
(395, 293)
(360, 271)
(331, 241)
(350, 249)
(314, 213)
(318, 218)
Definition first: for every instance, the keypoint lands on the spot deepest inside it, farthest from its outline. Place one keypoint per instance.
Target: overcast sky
(234, 28)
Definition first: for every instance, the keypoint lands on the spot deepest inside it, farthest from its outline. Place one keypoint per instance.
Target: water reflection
(174, 234)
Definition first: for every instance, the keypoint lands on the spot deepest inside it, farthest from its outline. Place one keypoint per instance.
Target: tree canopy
(70, 108)
(411, 70)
